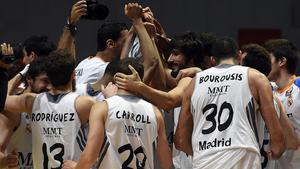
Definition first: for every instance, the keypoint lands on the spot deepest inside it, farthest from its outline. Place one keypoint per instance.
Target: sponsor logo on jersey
(52, 131)
(132, 130)
(219, 90)
(218, 79)
(205, 145)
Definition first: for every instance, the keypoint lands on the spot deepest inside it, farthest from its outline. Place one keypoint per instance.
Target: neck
(284, 79)
(230, 61)
(124, 92)
(61, 89)
(97, 86)
(104, 55)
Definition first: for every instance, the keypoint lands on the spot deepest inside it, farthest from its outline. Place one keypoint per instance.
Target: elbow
(168, 105)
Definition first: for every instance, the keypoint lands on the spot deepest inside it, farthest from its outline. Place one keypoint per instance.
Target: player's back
(55, 130)
(131, 132)
(225, 130)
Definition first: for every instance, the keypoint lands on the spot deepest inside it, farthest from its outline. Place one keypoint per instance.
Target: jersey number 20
(212, 117)
(139, 150)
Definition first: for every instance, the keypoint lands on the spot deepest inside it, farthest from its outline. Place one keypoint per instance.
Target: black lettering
(148, 120)
(217, 79)
(202, 146)
(118, 117)
(222, 78)
(25, 159)
(200, 80)
(206, 78)
(240, 77)
(138, 118)
(48, 117)
(33, 116)
(72, 117)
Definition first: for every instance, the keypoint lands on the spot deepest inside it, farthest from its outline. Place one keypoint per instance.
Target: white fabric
(55, 125)
(224, 116)
(22, 142)
(90, 70)
(290, 99)
(130, 127)
(180, 159)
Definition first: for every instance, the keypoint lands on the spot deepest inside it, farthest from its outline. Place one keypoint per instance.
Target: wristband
(72, 28)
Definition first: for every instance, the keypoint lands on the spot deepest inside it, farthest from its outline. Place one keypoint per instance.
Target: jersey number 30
(212, 117)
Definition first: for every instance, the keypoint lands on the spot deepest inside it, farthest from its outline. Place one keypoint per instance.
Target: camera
(95, 10)
(18, 54)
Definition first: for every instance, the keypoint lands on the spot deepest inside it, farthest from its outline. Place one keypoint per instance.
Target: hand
(109, 90)
(188, 72)
(151, 29)
(68, 164)
(12, 159)
(133, 11)
(6, 49)
(148, 15)
(78, 9)
(128, 82)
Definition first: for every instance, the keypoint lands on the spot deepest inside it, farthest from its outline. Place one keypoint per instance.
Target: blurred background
(245, 20)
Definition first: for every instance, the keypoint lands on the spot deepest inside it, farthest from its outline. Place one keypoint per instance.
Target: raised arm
(21, 103)
(262, 92)
(67, 39)
(149, 51)
(184, 130)
(163, 150)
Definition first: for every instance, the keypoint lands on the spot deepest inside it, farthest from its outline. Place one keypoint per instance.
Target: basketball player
(217, 119)
(131, 126)
(110, 39)
(257, 57)
(284, 63)
(56, 116)
(17, 126)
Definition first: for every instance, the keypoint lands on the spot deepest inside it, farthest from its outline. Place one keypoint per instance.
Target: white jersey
(181, 160)
(290, 99)
(85, 89)
(223, 109)
(131, 131)
(21, 141)
(90, 70)
(55, 130)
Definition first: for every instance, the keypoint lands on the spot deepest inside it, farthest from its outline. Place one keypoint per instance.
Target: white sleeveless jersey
(290, 99)
(131, 131)
(224, 118)
(21, 141)
(181, 160)
(85, 89)
(55, 130)
(90, 70)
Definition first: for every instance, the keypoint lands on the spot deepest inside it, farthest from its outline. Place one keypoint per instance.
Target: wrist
(72, 28)
(137, 21)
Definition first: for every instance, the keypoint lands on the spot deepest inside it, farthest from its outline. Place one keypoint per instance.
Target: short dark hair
(257, 57)
(39, 44)
(284, 48)
(37, 67)
(207, 39)
(135, 63)
(112, 68)
(109, 31)
(188, 44)
(59, 67)
(225, 47)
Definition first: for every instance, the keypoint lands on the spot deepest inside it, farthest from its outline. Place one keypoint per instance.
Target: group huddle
(146, 100)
